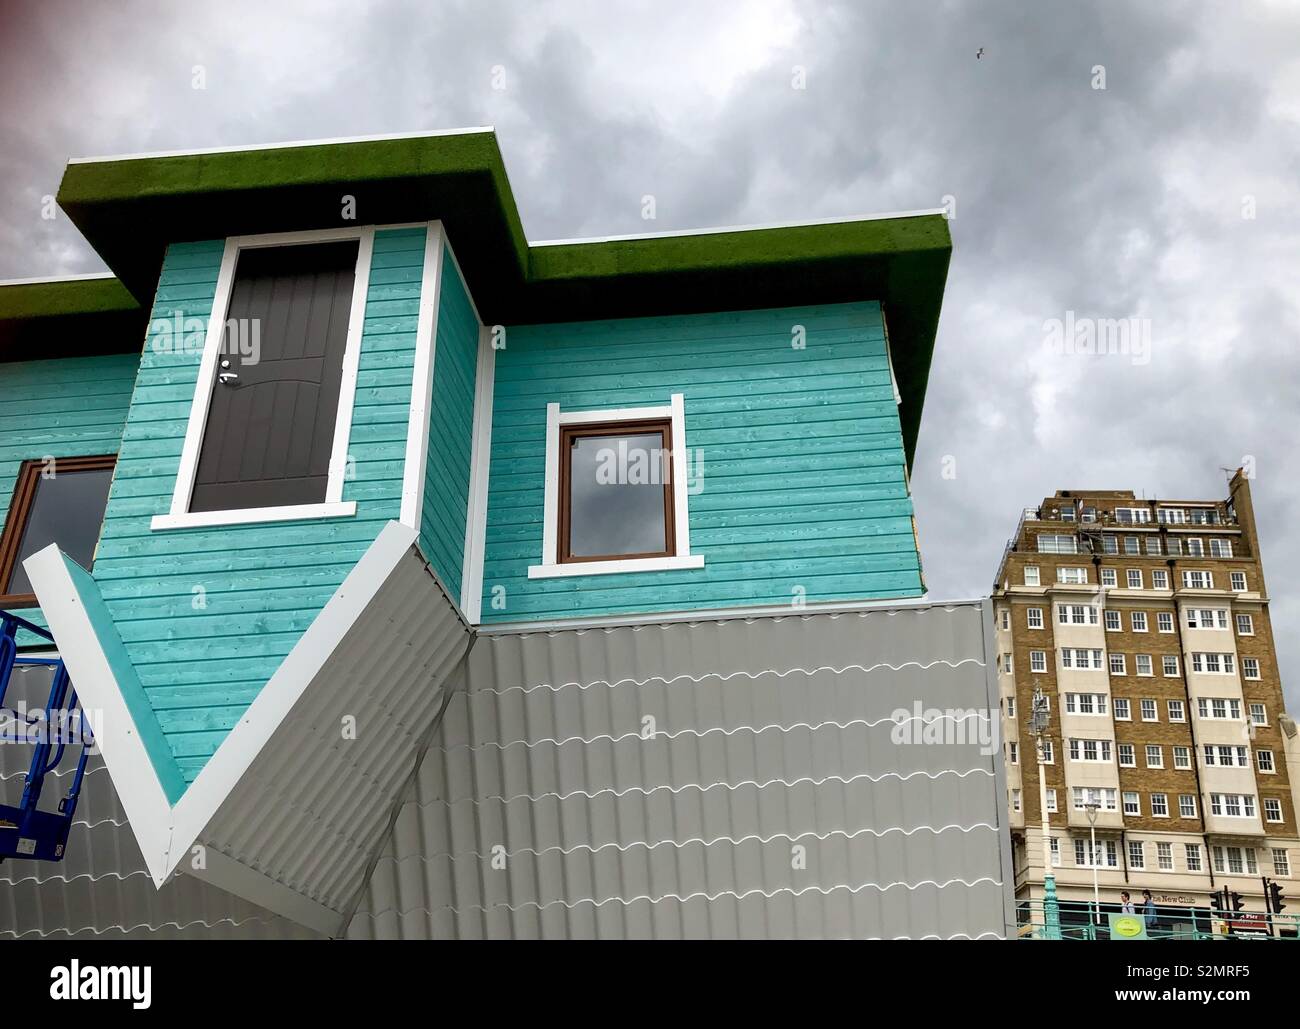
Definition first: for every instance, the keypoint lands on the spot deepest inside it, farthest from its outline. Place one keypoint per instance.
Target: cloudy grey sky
(1113, 203)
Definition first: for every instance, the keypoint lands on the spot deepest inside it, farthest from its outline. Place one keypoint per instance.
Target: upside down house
(407, 578)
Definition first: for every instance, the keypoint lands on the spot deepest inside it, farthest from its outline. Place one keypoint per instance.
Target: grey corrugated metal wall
(764, 797)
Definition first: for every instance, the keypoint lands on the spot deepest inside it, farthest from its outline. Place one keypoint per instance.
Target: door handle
(226, 378)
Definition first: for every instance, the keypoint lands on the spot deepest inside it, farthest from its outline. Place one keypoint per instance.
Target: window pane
(616, 495)
(68, 509)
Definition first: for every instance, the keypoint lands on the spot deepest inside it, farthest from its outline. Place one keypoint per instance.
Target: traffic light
(1275, 898)
(1237, 902)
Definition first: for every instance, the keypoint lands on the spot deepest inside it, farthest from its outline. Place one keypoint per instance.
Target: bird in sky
(979, 53)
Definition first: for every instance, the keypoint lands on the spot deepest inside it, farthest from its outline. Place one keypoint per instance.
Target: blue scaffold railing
(27, 831)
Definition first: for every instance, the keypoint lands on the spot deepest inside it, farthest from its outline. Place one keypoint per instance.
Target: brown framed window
(615, 491)
(57, 500)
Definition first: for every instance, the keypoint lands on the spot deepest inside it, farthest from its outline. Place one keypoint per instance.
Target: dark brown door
(270, 423)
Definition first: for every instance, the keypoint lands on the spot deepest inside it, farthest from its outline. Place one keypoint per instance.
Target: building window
(1053, 544)
(1005, 618)
(1137, 858)
(1132, 803)
(1195, 548)
(1235, 860)
(1159, 579)
(1155, 756)
(1222, 708)
(1220, 548)
(1264, 759)
(1258, 714)
(1177, 712)
(1153, 546)
(1015, 800)
(1175, 546)
(1171, 515)
(1207, 618)
(1055, 844)
(1038, 661)
(1165, 621)
(1108, 577)
(1135, 578)
(1250, 667)
(1132, 545)
(1169, 663)
(1139, 620)
(1085, 703)
(1143, 663)
(1121, 709)
(1193, 854)
(1239, 582)
(1198, 580)
(1272, 809)
(1233, 805)
(1132, 515)
(1281, 863)
(1148, 708)
(59, 500)
(1112, 621)
(1213, 664)
(1225, 755)
(1072, 576)
(1165, 856)
(1159, 805)
(1105, 856)
(1051, 802)
(618, 499)
(1011, 707)
(1103, 797)
(1031, 575)
(1034, 617)
(1245, 625)
(1182, 757)
(1117, 664)
(1049, 752)
(1013, 751)
(1089, 750)
(1186, 805)
(1109, 544)
(1126, 759)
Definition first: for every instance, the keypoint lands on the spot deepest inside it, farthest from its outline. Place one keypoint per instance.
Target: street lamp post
(1039, 720)
(1092, 807)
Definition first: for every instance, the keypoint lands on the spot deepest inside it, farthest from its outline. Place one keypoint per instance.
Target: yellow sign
(1127, 927)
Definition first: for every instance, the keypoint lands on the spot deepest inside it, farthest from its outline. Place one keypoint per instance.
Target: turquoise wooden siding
(72, 407)
(804, 490)
(451, 429)
(207, 615)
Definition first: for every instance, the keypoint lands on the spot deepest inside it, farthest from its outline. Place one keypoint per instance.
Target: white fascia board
(228, 874)
(132, 771)
(45, 279)
(291, 145)
(471, 585)
(417, 429)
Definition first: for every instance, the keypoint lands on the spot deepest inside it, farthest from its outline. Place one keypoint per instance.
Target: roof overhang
(69, 317)
(131, 208)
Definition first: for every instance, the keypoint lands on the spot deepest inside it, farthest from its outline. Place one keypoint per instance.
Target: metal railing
(1079, 921)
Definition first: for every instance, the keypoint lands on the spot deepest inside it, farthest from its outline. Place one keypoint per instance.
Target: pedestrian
(1148, 910)
(1126, 905)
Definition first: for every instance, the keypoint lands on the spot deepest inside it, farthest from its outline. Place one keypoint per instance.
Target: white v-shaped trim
(164, 831)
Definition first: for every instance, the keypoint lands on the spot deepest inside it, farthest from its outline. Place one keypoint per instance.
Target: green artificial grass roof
(130, 209)
(68, 318)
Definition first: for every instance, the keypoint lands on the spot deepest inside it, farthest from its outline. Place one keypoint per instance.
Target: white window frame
(1272, 804)
(1123, 704)
(1113, 622)
(1182, 757)
(1130, 574)
(1158, 801)
(1038, 661)
(1032, 577)
(1187, 805)
(1250, 668)
(1108, 577)
(1159, 579)
(179, 515)
(1248, 621)
(1264, 756)
(1030, 614)
(1138, 618)
(1164, 665)
(550, 566)
(1236, 577)
(1164, 621)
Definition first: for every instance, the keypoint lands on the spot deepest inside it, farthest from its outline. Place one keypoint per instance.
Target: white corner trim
(550, 566)
(471, 586)
(142, 796)
(228, 874)
(639, 564)
(417, 431)
(166, 833)
(246, 516)
(205, 380)
(338, 467)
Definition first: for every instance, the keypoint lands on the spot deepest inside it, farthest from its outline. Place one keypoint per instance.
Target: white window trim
(179, 516)
(550, 566)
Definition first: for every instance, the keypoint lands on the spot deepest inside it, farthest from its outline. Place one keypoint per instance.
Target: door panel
(270, 428)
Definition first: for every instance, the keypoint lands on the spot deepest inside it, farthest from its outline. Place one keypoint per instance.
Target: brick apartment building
(1146, 624)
